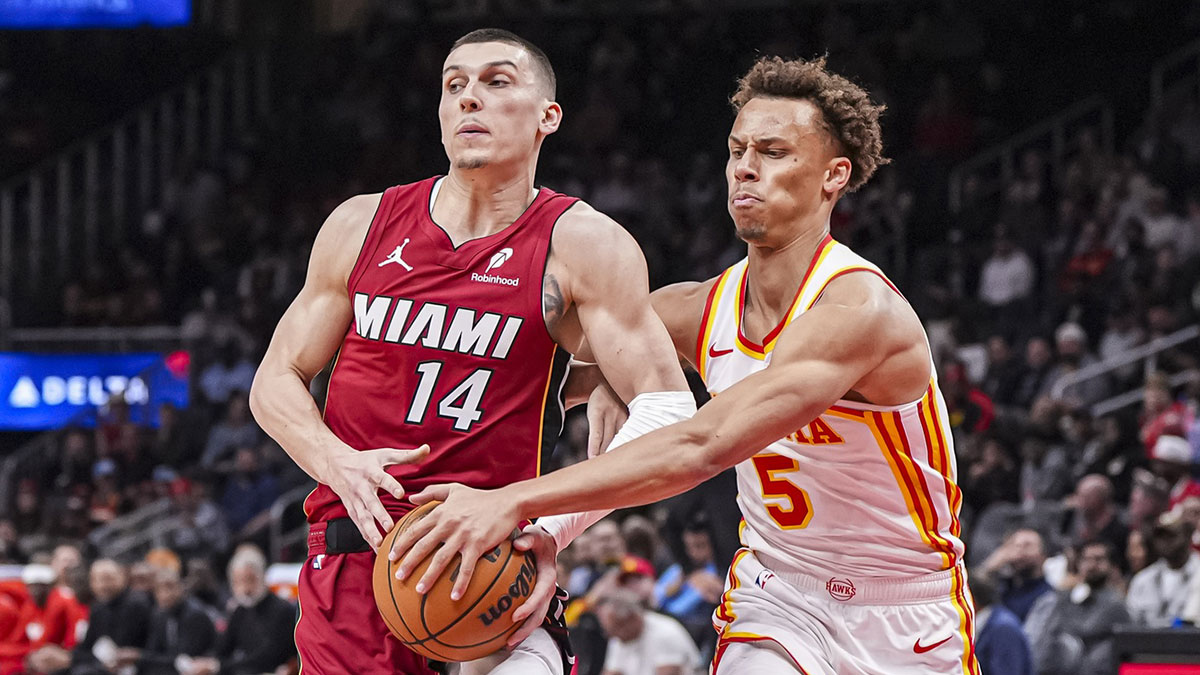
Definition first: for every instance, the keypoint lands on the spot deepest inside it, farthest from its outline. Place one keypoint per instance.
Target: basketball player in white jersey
(825, 399)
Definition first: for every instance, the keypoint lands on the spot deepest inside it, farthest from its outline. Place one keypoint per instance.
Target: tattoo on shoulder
(552, 300)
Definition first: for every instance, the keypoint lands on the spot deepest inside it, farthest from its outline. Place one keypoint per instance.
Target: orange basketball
(439, 628)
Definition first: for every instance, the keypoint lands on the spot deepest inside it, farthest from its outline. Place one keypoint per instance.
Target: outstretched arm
(838, 346)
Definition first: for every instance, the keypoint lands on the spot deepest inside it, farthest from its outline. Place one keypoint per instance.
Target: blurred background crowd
(1081, 508)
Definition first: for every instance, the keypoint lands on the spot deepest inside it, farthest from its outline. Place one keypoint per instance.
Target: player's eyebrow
(490, 64)
(767, 140)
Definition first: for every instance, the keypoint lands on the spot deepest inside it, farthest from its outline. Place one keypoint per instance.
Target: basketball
(439, 628)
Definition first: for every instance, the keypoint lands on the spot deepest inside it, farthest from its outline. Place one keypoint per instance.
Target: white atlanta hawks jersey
(862, 489)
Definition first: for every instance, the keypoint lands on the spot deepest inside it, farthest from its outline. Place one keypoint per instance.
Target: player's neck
(478, 202)
(775, 272)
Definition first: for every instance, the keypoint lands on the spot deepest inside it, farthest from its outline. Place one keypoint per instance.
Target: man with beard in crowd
(1072, 629)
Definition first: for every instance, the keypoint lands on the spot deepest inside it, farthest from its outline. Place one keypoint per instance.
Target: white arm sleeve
(647, 412)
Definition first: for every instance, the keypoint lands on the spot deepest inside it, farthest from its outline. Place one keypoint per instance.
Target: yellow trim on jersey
(724, 610)
(827, 246)
(709, 322)
(966, 616)
(542, 416)
(919, 509)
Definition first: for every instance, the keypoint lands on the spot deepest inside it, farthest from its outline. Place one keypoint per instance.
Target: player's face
(494, 107)
(782, 168)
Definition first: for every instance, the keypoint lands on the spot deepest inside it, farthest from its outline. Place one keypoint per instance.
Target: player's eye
(737, 153)
(775, 154)
(454, 87)
(498, 82)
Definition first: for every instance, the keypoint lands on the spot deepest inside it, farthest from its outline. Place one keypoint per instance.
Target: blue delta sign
(48, 391)
(93, 13)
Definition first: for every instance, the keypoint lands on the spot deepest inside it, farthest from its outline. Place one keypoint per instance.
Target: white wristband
(647, 412)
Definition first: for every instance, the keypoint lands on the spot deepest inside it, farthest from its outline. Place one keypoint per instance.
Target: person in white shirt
(1007, 276)
(642, 642)
(1158, 593)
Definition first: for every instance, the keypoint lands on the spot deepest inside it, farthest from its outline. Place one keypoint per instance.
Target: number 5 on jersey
(460, 405)
(798, 511)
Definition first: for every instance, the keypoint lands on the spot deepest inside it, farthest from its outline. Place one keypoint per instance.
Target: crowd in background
(1075, 522)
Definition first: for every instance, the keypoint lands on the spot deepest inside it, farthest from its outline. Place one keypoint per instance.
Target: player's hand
(533, 611)
(357, 478)
(606, 412)
(467, 523)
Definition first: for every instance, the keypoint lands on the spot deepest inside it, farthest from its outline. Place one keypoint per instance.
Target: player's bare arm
(307, 337)
(861, 341)
(596, 293)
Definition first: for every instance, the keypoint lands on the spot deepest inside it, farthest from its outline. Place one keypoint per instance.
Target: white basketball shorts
(771, 616)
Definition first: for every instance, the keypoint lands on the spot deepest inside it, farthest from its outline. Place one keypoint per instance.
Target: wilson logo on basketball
(840, 589)
(518, 589)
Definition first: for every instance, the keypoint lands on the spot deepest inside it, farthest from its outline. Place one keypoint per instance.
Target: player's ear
(551, 118)
(837, 175)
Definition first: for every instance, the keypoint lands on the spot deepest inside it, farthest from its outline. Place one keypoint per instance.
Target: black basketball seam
(507, 631)
(468, 609)
(392, 587)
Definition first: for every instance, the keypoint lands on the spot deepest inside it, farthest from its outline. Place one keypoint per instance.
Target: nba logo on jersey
(762, 579)
(840, 589)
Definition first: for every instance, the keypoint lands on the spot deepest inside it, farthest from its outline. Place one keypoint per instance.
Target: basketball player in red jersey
(452, 305)
(825, 400)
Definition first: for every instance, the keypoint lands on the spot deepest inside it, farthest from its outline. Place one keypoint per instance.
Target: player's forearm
(284, 408)
(661, 464)
(582, 380)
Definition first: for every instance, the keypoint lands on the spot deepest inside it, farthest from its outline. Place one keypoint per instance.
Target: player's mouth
(471, 130)
(744, 199)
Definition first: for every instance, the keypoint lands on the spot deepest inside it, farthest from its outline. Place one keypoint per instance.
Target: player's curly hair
(847, 112)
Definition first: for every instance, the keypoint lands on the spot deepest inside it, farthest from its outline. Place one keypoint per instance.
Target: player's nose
(469, 102)
(745, 169)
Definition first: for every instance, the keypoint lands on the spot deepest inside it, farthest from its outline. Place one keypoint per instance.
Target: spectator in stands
(248, 495)
(1163, 228)
(1122, 334)
(118, 618)
(29, 630)
(1147, 500)
(1157, 594)
(174, 442)
(1016, 570)
(258, 638)
(1045, 473)
(1034, 371)
(179, 627)
(200, 526)
(229, 375)
(1107, 452)
(1072, 630)
(1173, 461)
(690, 591)
(1096, 517)
(1161, 414)
(1006, 285)
(992, 477)
(642, 642)
(1003, 372)
(106, 501)
(969, 408)
(1000, 643)
(1071, 345)
(76, 459)
(236, 430)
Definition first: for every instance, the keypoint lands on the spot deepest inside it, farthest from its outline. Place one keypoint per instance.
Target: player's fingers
(362, 520)
(465, 570)
(436, 565)
(413, 545)
(380, 515)
(533, 611)
(389, 456)
(524, 542)
(389, 484)
(432, 493)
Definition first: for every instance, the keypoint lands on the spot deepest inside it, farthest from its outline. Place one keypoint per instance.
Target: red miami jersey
(448, 347)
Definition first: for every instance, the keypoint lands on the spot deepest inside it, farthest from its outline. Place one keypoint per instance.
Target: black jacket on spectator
(183, 629)
(258, 638)
(125, 620)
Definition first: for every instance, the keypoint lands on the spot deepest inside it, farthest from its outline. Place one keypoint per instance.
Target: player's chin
(748, 230)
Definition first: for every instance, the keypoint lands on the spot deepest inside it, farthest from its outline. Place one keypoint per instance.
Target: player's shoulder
(353, 216)
(684, 294)
(586, 230)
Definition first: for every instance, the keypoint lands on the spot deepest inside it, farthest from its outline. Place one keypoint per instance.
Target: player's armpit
(605, 283)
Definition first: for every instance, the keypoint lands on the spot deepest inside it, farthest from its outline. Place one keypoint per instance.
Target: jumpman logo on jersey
(394, 257)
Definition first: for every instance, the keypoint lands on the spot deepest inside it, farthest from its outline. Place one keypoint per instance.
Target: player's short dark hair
(545, 70)
(848, 114)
